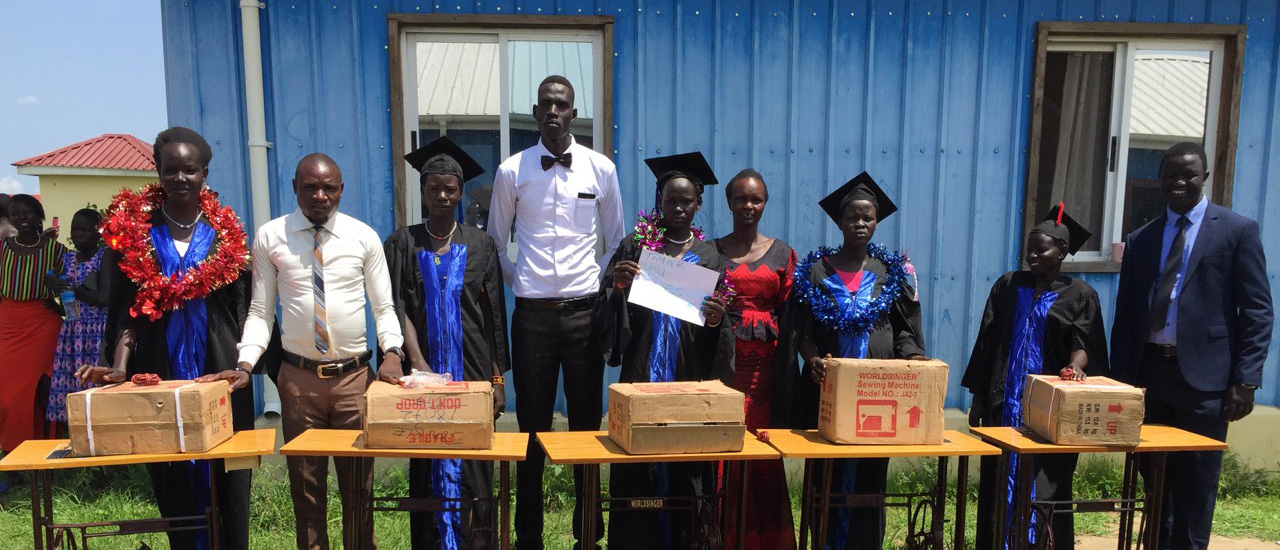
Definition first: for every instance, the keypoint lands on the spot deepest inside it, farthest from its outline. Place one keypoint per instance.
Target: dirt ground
(1216, 543)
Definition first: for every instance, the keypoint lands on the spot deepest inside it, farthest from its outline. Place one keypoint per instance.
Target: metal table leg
(939, 503)
(215, 540)
(504, 503)
(1128, 491)
(1004, 524)
(742, 505)
(806, 502)
(1022, 517)
(37, 511)
(962, 499)
(590, 503)
(1155, 502)
(824, 503)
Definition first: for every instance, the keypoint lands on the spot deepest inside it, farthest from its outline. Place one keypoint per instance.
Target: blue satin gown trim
(442, 285)
(187, 332)
(854, 346)
(663, 355)
(1025, 357)
(187, 335)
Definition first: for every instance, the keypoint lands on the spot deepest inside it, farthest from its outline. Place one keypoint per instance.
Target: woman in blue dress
(80, 341)
(856, 301)
(1036, 321)
(447, 286)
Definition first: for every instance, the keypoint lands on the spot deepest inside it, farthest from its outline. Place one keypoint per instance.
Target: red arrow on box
(1115, 408)
(914, 414)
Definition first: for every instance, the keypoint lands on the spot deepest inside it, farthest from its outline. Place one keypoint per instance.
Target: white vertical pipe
(255, 112)
(256, 120)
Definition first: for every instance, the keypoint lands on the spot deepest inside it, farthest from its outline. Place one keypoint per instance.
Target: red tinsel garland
(127, 229)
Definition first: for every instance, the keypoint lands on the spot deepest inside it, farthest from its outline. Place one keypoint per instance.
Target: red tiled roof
(111, 151)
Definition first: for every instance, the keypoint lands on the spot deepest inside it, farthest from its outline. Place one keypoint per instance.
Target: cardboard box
(175, 416)
(677, 417)
(458, 415)
(883, 401)
(1094, 411)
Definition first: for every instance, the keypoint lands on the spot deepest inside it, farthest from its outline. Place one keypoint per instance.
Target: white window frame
(1125, 49)
(502, 37)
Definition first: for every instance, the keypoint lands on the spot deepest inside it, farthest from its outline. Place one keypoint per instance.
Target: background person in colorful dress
(655, 347)
(29, 323)
(1037, 321)
(856, 301)
(80, 340)
(760, 268)
(446, 282)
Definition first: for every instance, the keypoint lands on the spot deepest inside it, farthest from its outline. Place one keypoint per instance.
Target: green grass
(1249, 505)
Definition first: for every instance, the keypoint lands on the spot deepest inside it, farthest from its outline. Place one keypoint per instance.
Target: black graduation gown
(898, 335)
(226, 309)
(1073, 322)
(704, 353)
(484, 343)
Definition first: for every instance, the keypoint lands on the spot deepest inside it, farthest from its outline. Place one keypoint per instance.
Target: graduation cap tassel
(1062, 207)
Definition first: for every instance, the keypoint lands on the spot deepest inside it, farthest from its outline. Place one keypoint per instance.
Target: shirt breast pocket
(582, 213)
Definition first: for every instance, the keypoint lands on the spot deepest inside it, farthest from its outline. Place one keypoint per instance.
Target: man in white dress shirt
(555, 193)
(320, 264)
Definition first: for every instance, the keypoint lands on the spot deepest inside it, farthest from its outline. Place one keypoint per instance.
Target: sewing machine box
(1094, 411)
(174, 416)
(883, 401)
(457, 415)
(677, 417)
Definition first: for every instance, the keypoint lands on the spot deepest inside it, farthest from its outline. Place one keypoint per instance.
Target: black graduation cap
(692, 164)
(861, 187)
(1064, 228)
(443, 156)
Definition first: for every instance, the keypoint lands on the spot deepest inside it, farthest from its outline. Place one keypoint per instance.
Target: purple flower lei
(649, 235)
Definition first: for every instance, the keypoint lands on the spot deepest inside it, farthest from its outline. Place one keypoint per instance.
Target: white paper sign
(672, 286)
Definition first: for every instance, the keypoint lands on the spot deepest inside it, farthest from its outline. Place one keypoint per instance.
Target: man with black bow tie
(555, 193)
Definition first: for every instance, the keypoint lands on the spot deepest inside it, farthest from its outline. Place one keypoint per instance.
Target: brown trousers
(308, 401)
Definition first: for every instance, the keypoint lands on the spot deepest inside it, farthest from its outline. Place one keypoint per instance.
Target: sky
(71, 70)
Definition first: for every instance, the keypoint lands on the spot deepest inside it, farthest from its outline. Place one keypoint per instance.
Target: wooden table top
(317, 442)
(597, 448)
(34, 454)
(1154, 439)
(808, 444)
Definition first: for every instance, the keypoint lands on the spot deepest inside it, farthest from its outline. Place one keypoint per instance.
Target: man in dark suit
(1192, 325)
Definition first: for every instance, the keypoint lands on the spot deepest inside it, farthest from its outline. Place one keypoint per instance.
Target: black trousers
(1052, 481)
(545, 341)
(171, 482)
(1191, 478)
(478, 529)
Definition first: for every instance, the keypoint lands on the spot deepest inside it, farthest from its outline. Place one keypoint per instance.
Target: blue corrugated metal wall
(930, 96)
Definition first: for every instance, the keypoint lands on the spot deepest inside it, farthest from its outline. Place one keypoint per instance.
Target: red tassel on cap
(1062, 207)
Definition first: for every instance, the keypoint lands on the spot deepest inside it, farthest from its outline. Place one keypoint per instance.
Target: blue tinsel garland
(828, 312)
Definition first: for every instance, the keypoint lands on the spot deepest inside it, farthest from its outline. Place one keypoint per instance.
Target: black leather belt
(327, 369)
(1166, 351)
(559, 304)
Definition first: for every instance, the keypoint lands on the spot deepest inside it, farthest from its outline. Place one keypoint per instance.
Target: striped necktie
(321, 317)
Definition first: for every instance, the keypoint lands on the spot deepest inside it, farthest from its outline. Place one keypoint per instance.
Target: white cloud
(11, 185)
(29, 99)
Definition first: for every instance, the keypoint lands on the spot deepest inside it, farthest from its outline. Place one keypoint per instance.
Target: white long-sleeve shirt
(354, 266)
(555, 213)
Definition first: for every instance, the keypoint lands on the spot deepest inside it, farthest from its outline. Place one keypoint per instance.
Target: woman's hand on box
(818, 368)
(89, 374)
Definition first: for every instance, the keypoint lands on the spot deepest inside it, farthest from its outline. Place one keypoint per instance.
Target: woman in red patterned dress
(760, 268)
